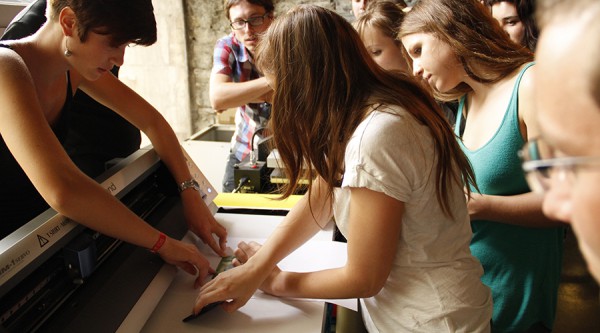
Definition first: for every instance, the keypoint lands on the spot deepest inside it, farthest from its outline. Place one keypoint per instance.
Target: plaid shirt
(232, 59)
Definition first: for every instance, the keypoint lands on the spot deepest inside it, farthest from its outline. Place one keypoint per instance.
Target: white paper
(262, 312)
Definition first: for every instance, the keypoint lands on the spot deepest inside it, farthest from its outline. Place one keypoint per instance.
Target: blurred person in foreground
(564, 161)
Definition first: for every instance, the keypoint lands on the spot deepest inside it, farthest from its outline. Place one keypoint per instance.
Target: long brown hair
(324, 82)
(484, 49)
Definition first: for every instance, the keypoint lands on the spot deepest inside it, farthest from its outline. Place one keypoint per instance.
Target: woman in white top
(385, 163)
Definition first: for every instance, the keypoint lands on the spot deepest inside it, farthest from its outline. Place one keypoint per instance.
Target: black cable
(252, 157)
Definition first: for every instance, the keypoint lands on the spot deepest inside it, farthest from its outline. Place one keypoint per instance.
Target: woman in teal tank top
(463, 54)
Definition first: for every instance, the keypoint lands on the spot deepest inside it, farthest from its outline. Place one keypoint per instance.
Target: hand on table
(187, 257)
(236, 285)
(244, 252)
(202, 223)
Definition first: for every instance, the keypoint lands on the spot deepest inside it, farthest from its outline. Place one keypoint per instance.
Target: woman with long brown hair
(383, 161)
(463, 54)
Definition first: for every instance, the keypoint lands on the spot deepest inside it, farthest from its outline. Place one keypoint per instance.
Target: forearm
(120, 98)
(226, 95)
(361, 276)
(86, 202)
(168, 148)
(336, 283)
(91, 205)
(522, 209)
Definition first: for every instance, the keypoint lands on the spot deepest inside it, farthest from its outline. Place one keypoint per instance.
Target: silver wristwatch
(192, 183)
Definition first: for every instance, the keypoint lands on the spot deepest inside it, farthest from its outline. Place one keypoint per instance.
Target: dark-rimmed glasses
(542, 168)
(253, 21)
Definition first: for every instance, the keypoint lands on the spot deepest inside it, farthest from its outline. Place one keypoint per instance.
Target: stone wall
(173, 75)
(159, 73)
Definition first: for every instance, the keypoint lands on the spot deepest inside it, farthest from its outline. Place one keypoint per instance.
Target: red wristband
(159, 243)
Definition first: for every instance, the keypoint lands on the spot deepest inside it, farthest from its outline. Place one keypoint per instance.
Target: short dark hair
(126, 21)
(266, 4)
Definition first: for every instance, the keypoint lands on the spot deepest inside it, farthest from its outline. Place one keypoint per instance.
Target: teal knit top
(521, 265)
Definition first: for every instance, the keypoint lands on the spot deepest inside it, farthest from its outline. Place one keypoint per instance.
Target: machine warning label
(32, 245)
(14, 262)
(43, 241)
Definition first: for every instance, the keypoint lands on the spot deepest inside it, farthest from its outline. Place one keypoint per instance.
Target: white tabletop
(170, 297)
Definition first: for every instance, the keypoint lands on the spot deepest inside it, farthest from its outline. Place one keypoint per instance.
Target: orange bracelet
(162, 238)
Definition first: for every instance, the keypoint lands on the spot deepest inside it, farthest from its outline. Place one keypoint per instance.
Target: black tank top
(19, 200)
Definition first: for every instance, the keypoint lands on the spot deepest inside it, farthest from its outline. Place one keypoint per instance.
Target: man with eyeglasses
(235, 82)
(564, 163)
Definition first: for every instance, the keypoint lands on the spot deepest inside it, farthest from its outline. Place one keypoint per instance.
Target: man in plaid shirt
(235, 81)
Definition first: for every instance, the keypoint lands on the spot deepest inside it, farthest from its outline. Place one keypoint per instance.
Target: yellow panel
(255, 200)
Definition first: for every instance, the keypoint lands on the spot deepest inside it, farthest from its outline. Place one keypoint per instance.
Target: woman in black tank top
(20, 200)
(81, 41)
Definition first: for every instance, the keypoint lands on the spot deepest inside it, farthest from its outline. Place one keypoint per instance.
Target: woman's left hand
(237, 285)
(244, 252)
(202, 223)
(187, 257)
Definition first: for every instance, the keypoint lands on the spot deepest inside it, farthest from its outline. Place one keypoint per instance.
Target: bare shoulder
(16, 82)
(526, 87)
(12, 67)
(526, 100)
(527, 84)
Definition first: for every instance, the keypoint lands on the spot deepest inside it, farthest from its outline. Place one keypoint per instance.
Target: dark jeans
(228, 178)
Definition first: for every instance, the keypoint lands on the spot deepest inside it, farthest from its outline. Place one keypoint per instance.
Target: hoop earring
(68, 52)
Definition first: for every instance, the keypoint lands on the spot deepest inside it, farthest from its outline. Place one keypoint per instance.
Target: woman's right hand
(235, 286)
(187, 257)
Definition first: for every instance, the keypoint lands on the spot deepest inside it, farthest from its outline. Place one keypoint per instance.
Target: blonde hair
(324, 82)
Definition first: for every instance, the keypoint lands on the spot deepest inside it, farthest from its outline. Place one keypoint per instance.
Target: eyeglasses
(254, 21)
(543, 169)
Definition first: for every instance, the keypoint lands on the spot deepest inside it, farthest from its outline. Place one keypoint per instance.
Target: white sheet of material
(171, 296)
